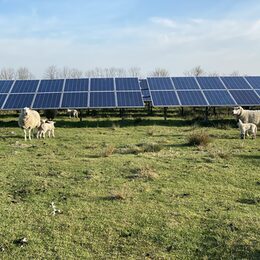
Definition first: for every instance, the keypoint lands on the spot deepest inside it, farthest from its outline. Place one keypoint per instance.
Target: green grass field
(129, 189)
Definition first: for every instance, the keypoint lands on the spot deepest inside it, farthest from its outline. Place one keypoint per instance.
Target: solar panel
(219, 98)
(258, 92)
(245, 97)
(5, 85)
(129, 99)
(164, 98)
(47, 100)
(76, 85)
(160, 83)
(25, 86)
(2, 99)
(54, 85)
(102, 99)
(102, 84)
(182, 83)
(75, 100)
(127, 84)
(235, 83)
(17, 101)
(192, 98)
(145, 90)
(210, 83)
(254, 82)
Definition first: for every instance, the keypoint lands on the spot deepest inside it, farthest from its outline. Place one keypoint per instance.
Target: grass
(124, 192)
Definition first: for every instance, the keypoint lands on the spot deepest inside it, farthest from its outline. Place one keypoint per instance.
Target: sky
(221, 36)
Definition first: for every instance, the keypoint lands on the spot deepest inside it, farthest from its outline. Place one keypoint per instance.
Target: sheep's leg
(53, 135)
(25, 134)
(29, 133)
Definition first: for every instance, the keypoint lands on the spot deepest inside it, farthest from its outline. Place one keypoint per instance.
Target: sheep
(73, 112)
(46, 127)
(247, 127)
(247, 116)
(28, 120)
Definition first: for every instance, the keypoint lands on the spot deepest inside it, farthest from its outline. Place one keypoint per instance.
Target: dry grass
(151, 131)
(108, 151)
(199, 139)
(145, 172)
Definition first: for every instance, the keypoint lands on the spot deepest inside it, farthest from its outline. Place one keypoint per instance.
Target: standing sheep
(46, 127)
(73, 112)
(29, 119)
(245, 128)
(247, 116)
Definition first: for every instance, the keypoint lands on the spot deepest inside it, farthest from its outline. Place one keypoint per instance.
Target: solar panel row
(71, 93)
(204, 91)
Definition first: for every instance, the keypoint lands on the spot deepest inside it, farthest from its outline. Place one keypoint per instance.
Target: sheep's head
(25, 111)
(237, 111)
(43, 121)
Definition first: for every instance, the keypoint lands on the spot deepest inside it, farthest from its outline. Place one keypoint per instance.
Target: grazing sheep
(46, 127)
(247, 127)
(73, 112)
(247, 116)
(29, 119)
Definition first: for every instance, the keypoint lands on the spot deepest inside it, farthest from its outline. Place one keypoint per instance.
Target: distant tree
(160, 72)
(196, 72)
(51, 72)
(213, 74)
(24, 73)
(134, 72)
(76, 74)
(235, 73)
(7, 73)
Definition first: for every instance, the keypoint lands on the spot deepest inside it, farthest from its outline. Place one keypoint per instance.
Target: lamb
(247, 116)
(245, 128)
(28, 120)
(73, 112)
(46, 127)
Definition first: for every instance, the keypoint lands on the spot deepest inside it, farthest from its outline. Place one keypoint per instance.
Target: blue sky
(222, 36)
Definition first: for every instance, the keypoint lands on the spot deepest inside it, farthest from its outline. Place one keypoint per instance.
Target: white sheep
(46, 127)
(73, 112)
(28, 120)
(245, 128)
(247, 116)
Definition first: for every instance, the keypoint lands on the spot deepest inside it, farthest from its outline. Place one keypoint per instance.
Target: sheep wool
(247, 116)
(28, 120)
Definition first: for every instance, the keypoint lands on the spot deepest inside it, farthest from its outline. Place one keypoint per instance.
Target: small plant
(108, 151)
(145, 172)
(150, 147)
(199, 139)
(151, 131)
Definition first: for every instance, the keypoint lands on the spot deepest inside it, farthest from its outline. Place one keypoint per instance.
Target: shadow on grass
(103, 122)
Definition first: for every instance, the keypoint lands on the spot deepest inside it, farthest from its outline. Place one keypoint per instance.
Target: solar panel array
(71, 93)
(130, 92)
(204, 91)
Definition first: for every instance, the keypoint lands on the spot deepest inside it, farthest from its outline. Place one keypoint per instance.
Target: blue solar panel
(144, 89)
(76, 85)
(258, 92)
(192, 98)
(164, 98)
(2, 99)
(210, 83)
(25, 86)
(254, 82)
(75, 100)
(235, 83)
(102, 84)
(160, 83)
(127, 84)
(17, 101)
(181, 83)
(5, 85)
(219, 98)
(245, 97)
(47, 100)
(102, 99)
(54, 85)
(129, 99)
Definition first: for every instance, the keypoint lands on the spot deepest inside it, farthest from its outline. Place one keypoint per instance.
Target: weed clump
(145, 172)
(150, 147)
(108, 151)
(199, 139)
